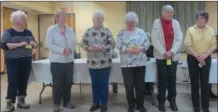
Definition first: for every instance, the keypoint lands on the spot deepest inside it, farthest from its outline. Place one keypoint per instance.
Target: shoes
(69, 106)
(21, 103)
(103, 108)
(57, 108)
(173, 105)
(197, 109)
(130, 109)
(142, 109)
(94, 107)
(9, 106)
(161, 108)
(206, 110)
(212, 95)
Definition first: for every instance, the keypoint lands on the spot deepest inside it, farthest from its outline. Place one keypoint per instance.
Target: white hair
(131, 17)
(98, 13)
(17, 16)
(58, 13)
(167, 8)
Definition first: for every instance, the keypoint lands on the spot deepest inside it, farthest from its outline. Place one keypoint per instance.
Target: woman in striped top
(17, 43)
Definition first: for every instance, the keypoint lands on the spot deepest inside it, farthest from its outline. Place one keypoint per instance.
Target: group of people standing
(98, 41)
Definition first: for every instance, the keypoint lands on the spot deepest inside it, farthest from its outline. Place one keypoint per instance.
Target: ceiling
(15, 6)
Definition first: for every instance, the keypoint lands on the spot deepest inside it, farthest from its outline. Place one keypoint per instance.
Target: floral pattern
(136, 39)
(103, 37)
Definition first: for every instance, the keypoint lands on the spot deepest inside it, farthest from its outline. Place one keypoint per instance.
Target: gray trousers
(62, 78)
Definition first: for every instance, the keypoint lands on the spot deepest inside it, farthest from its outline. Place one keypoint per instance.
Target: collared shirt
(56, 43)
(103, 37)
(168, 33)
(134, 39)
(200, 39)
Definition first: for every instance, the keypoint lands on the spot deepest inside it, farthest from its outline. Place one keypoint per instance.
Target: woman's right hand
(95, 49)
(201, 61)
(22, 44)
(133, 51)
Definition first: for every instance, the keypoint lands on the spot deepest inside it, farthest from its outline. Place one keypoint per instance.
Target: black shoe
(103, 108)
(130, 109)
(173, 105)
(161, 107)
(142, 109)
(197, 109)
(212, 95)
(206, 110)
(94, 107)
(115, 88)
(69, 106)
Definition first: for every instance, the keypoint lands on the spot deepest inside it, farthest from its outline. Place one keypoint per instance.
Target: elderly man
(18, 43)
(61, 43)
(167, 39)
(98, 42)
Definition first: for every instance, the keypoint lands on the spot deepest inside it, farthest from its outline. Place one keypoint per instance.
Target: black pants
(134, 77)
(18, 71)
(62, 78)
(166, 80)
(199, 74)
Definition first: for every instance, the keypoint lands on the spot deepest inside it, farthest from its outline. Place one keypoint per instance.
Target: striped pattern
(12, 36)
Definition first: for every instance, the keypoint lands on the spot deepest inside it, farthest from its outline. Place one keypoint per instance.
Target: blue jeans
(100, 80)
(18, 71)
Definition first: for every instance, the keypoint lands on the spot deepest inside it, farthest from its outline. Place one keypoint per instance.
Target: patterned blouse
(103, 37)
(134, 39)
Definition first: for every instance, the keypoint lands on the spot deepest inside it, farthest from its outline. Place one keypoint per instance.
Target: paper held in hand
(28, 47)
(199, 64)
(169, 62)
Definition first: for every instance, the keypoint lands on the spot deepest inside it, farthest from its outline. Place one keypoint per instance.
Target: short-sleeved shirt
(12, 36)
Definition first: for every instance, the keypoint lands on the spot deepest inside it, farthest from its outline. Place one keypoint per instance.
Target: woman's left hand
(32, 43)
(203, 56)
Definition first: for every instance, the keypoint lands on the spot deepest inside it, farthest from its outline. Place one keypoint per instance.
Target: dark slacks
(100, 86)
(166, 80)
(18, 71)
(134, 77)
(62, 78)
(199, 74)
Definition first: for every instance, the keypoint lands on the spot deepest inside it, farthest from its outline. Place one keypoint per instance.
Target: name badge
(28, 47)
(169, 62)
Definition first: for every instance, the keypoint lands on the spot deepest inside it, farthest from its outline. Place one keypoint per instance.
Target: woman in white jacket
(167, 39)
(61, 43)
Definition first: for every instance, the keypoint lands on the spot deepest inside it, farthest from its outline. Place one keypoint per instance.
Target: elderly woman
(18, 43)
(166, 39)
(61, 43)
(200, 41)
(133, 43)
(98, 42)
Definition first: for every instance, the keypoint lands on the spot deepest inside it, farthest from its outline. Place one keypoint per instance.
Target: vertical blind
(149, 11)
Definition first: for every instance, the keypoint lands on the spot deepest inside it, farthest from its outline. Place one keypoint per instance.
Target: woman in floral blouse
(98, 42)
(132, 43)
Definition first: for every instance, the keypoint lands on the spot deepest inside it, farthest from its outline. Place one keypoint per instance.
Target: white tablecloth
(213, 70)
(41, 71)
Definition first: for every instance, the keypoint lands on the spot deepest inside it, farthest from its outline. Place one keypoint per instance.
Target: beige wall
(211, 8)
(114, 11)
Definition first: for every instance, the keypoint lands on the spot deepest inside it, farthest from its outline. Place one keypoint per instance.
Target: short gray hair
(131, 17)
(58, 13)
(98, 13)
(167, 8)
(17, 16)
